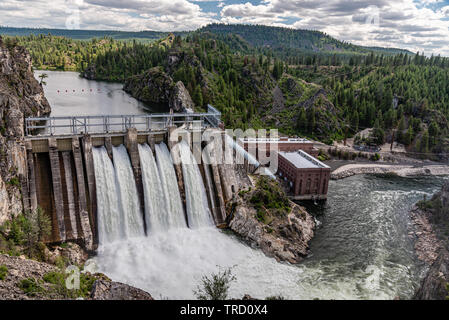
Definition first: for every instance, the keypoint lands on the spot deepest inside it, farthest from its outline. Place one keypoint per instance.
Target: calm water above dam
(361, 250)
(98, 97)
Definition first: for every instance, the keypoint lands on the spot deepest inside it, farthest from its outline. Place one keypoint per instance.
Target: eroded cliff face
(20, 96)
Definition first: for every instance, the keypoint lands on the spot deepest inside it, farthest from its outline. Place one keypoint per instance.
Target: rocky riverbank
(400, 170)
(265, 218)
(431, 232)
(23, 279)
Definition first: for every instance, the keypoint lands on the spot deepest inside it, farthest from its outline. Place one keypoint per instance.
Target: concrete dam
(103, 187)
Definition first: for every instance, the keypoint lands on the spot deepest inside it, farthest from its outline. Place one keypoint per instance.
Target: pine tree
(409, 136)
(302, 121)
(198, 96)
(424, 146)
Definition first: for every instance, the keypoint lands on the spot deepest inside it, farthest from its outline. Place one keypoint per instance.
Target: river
(362, 249)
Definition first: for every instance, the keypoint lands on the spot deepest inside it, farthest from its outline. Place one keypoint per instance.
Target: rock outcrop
(431, 220)
(281, 234)
(20, 96)
(71, 252)
(108, 290)
(157, 87)
(435, 285)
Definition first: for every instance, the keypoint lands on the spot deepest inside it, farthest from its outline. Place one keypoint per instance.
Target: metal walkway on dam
(61, 170)
(102, 124)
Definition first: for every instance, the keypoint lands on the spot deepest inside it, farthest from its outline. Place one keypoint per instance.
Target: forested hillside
(82, 34)
(403, 97)
(60, 53)
(286, 41)
(327, 95)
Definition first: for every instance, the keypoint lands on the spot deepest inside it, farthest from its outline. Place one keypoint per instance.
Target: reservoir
(69, 94)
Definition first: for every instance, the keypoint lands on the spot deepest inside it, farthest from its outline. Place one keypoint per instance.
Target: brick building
(307, 177)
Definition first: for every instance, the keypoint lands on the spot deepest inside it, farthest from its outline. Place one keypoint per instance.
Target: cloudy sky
(411, 24)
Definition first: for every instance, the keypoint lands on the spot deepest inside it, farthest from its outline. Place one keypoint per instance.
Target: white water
(156, 215)
(175, 211)
(131, 217)
(108, 211)
(198, 212)
(362, 250)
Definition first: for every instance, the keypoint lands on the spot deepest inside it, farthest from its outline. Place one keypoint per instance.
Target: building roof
(303, 160)
(275, 140)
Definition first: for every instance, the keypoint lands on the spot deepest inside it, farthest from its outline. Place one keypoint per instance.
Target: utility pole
(392, 140)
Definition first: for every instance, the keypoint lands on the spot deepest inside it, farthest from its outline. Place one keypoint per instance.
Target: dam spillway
(103, 188)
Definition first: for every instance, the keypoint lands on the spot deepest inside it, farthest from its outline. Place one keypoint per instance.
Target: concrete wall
(63, 182)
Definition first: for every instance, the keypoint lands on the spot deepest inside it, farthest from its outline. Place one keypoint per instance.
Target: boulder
(108, 290)
(71, 252)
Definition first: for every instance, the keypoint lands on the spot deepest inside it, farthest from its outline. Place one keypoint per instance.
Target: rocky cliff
(156, 86)
(20, 96)
(431, 219)
(265, 218)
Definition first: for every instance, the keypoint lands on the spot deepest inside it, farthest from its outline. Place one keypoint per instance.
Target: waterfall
(156, 215)
(198, 212)
(108, 211)
(175, 212)
(132, 221)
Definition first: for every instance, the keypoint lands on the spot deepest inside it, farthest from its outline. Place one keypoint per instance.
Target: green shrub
(216, 286)
(3, 272)
(30, 286)
(375, 157)
(28, 230)
(64, 245)
(61, 262)
(58, 280)
(14, 182)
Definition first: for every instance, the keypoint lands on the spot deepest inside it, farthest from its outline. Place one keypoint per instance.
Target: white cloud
(402, 23)
(101, 14)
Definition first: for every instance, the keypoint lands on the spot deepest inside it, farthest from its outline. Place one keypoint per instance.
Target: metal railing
(214, 116)
(119, 123)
